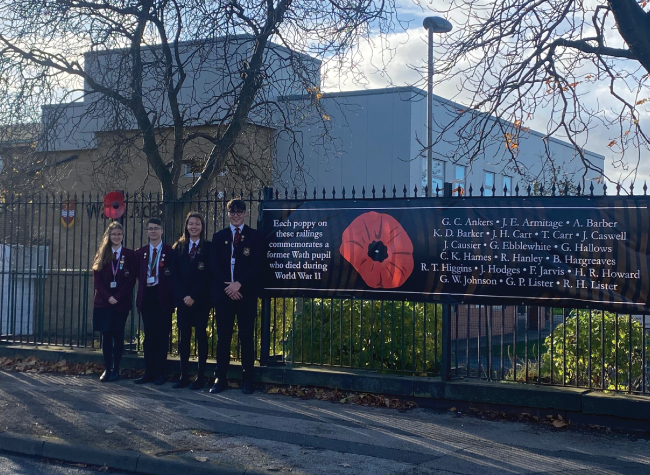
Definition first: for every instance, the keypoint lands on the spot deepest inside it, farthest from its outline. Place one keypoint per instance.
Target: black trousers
(112, 348)
(157, 327)
(246, 311)
(184, 341)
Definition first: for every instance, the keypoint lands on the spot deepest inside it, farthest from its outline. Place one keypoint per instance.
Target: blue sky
(400, 58)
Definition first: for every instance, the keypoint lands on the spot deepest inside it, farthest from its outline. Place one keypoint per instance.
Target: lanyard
(115, 264)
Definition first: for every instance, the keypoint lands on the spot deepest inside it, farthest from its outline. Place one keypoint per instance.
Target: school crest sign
(68, 213)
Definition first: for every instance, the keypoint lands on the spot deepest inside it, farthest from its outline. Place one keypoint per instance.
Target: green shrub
(366, 334)
(596, 349)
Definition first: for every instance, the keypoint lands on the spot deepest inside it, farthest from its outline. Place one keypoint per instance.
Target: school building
(344, 140)
(337, 140)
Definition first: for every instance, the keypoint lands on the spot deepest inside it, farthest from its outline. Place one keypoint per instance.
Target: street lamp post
(433, 24)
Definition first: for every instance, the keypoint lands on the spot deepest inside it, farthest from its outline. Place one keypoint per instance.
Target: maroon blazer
(125, 279)
(165, 286)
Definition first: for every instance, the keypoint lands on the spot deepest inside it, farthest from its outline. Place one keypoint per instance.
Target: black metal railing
(46, 298)
(46, 260)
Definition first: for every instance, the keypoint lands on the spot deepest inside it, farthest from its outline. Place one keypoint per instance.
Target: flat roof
(416, 91)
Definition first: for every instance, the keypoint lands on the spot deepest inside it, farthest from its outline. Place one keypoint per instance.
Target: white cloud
(401, 60)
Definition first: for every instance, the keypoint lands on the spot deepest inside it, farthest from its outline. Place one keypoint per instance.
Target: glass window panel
(437, 176)
(507, 183)
(489, 183)
(459, 180)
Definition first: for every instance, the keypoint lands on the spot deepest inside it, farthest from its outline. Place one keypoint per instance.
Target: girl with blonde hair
(114, 274)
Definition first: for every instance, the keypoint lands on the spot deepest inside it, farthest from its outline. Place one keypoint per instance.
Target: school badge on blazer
(167, 271)
(247, 251)
(200, 266)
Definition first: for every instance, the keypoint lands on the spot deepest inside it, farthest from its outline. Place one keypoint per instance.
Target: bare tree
(581, 64)
(176, 81)
(23, 169)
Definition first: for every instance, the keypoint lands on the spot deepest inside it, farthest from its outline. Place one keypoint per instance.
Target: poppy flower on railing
(379, 249)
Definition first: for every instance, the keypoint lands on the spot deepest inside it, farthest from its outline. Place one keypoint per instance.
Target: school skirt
(109, 320)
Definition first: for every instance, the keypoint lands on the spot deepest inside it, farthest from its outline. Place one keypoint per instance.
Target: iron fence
(47, 246)
(46, 298)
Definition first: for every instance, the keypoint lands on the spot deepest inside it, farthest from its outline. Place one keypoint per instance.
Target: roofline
(79, 103)
(245, 37)
(61, 161)
(420, 92)
(360, 92)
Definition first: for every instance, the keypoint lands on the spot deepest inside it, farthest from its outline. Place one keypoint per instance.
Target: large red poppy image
(379, 250)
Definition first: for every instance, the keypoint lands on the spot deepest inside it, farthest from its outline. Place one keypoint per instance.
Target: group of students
(192, 277)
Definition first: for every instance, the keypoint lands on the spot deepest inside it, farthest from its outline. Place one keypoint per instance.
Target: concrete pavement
(16, 464)
(158, 430)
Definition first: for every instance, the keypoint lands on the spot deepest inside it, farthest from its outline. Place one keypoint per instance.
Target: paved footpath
(158, 430)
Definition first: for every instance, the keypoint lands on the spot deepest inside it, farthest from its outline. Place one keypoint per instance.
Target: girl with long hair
(191, 278)
(114, 275)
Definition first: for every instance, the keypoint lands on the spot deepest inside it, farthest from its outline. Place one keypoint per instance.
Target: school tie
(237, 237)
(114, 256)
(153, 265)
(193, 251)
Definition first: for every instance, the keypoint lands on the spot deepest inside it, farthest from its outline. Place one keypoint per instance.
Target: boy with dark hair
(236, 259)
(155, 301)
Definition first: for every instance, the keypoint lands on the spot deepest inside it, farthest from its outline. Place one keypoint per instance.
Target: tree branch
(585, 47)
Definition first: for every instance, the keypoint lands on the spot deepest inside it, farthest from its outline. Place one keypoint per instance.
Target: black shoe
(115, 375)
(248, 387)
(220, 384)
(144, 379)
(106, 376)
(181, 383)
(198, 383)
(160, 380)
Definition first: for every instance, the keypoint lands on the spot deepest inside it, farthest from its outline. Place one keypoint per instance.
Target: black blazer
(249, 258)
(192, 277)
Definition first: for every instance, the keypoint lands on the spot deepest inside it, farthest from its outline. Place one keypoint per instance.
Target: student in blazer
(114, 279)
(155, 301)
(236, 260)
(191, 281)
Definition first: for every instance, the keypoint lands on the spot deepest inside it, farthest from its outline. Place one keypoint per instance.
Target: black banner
(588, 252)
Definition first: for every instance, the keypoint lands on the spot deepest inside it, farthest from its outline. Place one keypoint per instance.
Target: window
(459, 181)
(437, 176)
(190, 170)
(507, 184)
(493, 307)
(488, 184)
